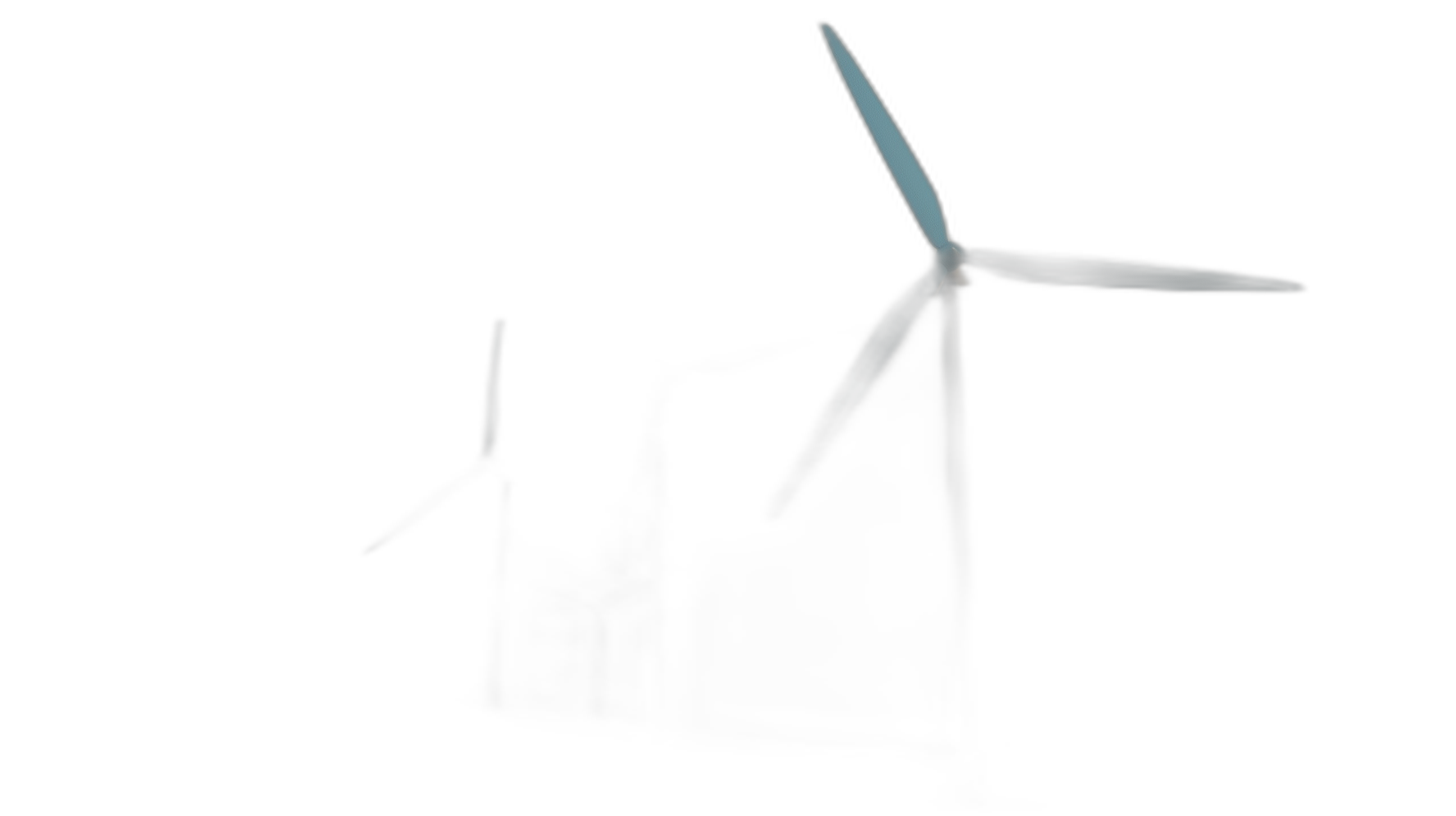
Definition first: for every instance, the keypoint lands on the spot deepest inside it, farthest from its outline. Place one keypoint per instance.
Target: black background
(634, 191)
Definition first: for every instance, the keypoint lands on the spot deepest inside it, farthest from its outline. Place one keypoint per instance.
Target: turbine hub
(950, 258)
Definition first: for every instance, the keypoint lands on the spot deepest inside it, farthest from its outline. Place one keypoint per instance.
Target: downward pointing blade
(867, 368)
(1116, 274)
(909, 176)
(430, 504)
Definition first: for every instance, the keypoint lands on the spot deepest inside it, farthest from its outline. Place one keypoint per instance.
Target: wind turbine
(942, 280)
(487, 467)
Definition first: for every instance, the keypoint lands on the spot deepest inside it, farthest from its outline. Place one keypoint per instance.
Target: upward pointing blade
(909, 176)
(867, 368)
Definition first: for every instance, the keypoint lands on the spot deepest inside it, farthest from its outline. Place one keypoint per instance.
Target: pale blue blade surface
(867, 368)
(903, 166)
(1066, 271)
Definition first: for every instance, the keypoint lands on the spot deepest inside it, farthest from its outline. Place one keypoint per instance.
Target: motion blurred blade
(492, 394)
(909, 176)
(1116, 274)
(428, 506)
(867, 368)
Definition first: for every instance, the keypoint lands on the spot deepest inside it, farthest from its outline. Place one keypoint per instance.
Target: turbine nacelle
(948, 262)
(950, 257)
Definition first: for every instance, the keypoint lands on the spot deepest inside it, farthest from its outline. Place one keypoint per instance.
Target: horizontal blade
(1116, 274)
(909, 176)
(430, 504)
(867, 368)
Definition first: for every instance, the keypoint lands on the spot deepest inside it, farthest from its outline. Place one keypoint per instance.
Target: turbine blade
(427, 505)
(872, 360)
(909, 176)
(1116, 274)
(492, 393)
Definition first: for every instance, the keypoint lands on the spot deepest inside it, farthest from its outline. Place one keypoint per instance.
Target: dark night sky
(629, 195)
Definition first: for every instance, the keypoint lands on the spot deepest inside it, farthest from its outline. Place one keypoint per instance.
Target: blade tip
(1276, 285)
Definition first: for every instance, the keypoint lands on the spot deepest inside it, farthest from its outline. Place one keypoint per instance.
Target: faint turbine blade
(427, 505)
(492, 393)
(896, 151)
(1115, 274)
(873, 358)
